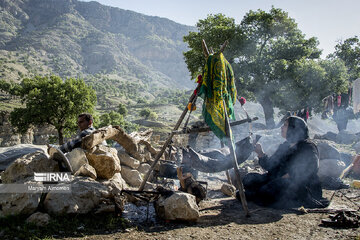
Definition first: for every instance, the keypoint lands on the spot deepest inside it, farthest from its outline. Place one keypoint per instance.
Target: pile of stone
(99, 173)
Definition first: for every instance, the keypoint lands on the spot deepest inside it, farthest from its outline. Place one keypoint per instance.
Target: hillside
(72, 38)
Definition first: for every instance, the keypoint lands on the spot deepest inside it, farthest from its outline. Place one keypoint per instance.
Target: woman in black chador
(291, 179)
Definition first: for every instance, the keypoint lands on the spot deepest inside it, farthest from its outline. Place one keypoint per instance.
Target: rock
(86, 170)
(86, 194)
(326, 151)
(228, 189)
(131, 176)
(147, 156)
(77, 158)
(347, 158)
(25, 167)
(356, 147)
(19, 203)
(144, 168)
(127, 160)
(179, 206)
(330, 136)
(115, 133)
(115, 184)
(9, 154)
(344, 137)
(330, 168)
(105, 161)
(39, 219)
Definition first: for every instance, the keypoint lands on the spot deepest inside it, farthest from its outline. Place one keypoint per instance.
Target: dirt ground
(222, 217)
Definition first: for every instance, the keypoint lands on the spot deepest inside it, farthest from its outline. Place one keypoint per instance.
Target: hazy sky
(328, 20)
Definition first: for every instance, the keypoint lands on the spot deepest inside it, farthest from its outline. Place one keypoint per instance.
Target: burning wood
(190, 185)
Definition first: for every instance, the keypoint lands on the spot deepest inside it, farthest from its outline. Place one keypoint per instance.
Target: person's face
(83, 123)
(284, 129)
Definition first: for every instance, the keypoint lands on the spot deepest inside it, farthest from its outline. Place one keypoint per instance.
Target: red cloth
(339, 101)
(307, 114)
(199, 78)
(242, 101)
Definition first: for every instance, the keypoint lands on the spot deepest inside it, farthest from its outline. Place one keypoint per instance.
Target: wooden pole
(207, 129)
(168, 141)
(205, 49)
(236, 167)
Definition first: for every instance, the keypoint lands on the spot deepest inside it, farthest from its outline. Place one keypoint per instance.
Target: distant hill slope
(71, 38)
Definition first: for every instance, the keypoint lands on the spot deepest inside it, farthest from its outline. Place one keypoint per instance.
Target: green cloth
(218, 85)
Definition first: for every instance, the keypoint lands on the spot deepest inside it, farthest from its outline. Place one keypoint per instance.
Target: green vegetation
(53, 101)
(273, 62)
(349, 52)
(122, 109)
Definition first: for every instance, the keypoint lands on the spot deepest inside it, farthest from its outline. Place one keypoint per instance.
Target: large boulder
(18, 203)
(25, 167)
(330, 168)
(347, 158)
(327, 151)
(345, 137)
(86, 170)
(131, 176)
(9, 154)
(127, 160)
(77, 158)
(105, 161)
(144, 168)
(179, 206)
(331, 136)
(356, 147)
(86, 194)
(15, 200)
(115, 184)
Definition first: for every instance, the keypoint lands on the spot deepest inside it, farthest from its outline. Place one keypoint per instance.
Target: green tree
(349, 52)
(311, 81)
(271, 45)
(215, 29)
(111, 118)
(122, 109)
(153, 116)
(53, 101)
(145, 113)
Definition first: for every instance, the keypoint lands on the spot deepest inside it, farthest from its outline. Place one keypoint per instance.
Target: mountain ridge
(71, 38)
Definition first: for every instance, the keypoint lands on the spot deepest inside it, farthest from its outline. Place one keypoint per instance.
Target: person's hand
(259, 150)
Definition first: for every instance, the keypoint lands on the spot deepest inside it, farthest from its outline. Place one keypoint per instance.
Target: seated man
(84, 122)
(291, 179)
(66, 164)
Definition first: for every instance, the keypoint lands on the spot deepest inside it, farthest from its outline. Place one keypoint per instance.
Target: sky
(328, 20)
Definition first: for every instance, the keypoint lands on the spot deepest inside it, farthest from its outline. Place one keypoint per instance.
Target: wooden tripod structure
(228, 134)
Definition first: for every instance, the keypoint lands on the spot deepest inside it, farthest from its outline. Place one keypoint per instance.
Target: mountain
(72, 38)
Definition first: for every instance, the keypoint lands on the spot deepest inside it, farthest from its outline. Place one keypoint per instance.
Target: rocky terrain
(218, 216)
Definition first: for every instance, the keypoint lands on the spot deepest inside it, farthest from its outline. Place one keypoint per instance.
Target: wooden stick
(222, 48)
(168, 141)
(236, 167)
(207, 129)
(181, 178)
(227, 171)
(205, 48)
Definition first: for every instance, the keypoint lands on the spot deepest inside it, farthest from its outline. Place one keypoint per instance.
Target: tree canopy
(272, 60)
(215, 29)
(349, 52)
(53, 101)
